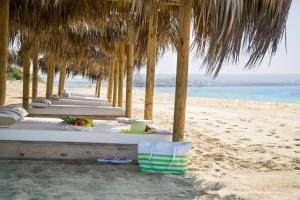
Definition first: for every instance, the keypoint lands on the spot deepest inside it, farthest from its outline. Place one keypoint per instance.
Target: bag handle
(174, 155)
(152, 150)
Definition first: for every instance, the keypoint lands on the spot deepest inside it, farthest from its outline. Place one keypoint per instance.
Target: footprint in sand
(275, 158)
(227, 131)
(288, 147)
(282, 125)
(245, 139)
(297, 139)
(221, 122)
(235, 125)
(298, 145)
(260, 130)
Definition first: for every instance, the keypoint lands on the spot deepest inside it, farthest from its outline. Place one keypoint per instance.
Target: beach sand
(241, 150)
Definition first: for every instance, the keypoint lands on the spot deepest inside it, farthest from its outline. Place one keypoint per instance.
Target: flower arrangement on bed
(77, 123)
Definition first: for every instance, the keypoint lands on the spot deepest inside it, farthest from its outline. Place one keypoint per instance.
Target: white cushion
(54, 97)
(42, 100)
(22, 112)
(39, 105)
(66, 94)
(8, 117)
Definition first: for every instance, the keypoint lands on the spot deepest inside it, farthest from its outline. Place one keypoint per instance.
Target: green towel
(129, 130)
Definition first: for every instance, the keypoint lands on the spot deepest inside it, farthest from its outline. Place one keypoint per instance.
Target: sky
(286, 61)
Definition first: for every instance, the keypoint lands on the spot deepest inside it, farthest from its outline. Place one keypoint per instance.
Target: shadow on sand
(42, 180)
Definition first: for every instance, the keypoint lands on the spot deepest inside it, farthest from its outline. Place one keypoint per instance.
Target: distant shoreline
(228, 85)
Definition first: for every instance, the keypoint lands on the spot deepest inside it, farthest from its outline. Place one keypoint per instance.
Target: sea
(281, 93)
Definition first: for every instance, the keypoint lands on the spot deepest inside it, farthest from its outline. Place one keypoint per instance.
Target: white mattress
(46, 130)
(79, 102)
(78, 110)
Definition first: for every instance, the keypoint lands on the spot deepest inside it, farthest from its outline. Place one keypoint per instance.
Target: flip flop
(112, 159)
(122, 160)
(107, 159)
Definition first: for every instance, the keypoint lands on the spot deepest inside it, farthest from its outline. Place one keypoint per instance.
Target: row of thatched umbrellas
(110, 38)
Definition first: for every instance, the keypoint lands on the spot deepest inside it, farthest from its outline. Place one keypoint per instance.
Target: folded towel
(126, 120)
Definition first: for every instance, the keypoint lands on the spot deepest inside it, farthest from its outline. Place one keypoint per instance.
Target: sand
(241, 150)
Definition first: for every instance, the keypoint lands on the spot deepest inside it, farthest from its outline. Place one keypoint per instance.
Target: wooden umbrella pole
(62, 77)
(185, 12)
(129, 69)
(151, 57)
(121, 72)
(50, 76)
(4, 20)
(35, 75)
(110, 82)
(26, 75)
(116, 78)
(97, 83)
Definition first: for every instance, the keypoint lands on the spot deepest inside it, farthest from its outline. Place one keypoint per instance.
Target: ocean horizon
(276, 94)
(281, 92)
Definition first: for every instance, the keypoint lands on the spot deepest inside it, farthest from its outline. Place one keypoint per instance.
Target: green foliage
(14, 73)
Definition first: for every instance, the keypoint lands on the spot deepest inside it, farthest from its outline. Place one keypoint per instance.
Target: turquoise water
(285, 94)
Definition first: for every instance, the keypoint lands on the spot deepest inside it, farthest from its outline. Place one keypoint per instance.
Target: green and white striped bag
(165, 157)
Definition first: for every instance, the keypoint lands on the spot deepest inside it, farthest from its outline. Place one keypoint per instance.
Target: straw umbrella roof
(71, 31)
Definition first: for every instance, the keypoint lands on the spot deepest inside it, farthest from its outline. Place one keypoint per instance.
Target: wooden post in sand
(185, 12)
(151, 58)
(116, 78)
(129, 69)
(26, 75)
(35, 75)
(62, 77)
(110, 82)
(4, 20)
(121, 72)
(50, 77)
(99, 85)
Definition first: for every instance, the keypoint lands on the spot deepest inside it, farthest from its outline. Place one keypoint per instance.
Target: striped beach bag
(165, 157)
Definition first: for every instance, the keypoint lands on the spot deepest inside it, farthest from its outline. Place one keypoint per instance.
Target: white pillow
(8, 118)
(23, 113)
(39, 105)
(66, 94)
(42, 100)
(54, 97)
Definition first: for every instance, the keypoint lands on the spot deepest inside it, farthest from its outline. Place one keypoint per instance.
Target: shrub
(14, 73)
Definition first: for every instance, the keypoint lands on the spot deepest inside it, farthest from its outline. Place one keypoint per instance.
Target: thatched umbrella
(222, 29)
(68, 32)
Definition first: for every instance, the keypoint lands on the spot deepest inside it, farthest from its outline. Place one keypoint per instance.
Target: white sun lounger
(69, 101)
(41, 138)
(94, 112)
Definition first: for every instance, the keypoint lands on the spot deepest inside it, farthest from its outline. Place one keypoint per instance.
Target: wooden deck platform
(38, 138)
